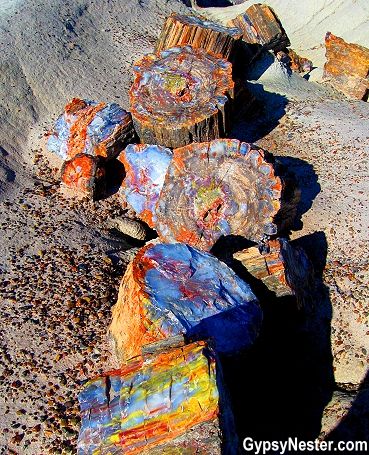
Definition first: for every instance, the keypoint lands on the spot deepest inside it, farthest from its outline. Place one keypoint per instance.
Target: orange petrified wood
(179, 30)
(261, 26)
(85, 174)
(181, 95)
(347, 67)
(283, 268)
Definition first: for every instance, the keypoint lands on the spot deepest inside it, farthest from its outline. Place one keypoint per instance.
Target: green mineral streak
(206, 196)
(174, 83)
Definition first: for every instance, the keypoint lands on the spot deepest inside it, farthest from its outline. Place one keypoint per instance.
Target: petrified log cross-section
(173, 402)
(179, 30)
(174, 289)
(219, 188)
(181, 95)
(97, 129)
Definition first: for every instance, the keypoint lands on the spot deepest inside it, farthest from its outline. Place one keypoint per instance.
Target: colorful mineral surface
(347, 67)
(180, 95)
(180, 30)
(85, 174)
(149, 402)
(145, 167)
(260, 25)
(97, 129)
(173, 289)
(218, 188)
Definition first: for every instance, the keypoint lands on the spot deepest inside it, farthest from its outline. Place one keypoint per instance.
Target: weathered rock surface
(151, 402)
(347, 67)
(88, 127)
(145, 169)
(260, 25)
(179, 30)
(175, 289)
(85, 174)
(218, 188)
(181, 95)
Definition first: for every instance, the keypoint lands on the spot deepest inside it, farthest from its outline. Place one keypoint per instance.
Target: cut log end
(219, 188)
(181, 95)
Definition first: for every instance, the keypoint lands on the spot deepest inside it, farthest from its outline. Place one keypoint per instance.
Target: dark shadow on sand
(279, 388)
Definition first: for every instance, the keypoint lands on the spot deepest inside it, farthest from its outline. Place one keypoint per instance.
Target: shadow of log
(308, 184)
(279, 388)
(355, 425)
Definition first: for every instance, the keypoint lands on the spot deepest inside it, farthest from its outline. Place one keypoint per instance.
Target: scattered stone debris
(347, 67)
(172, 289)
(154, 400)
(181, 95)
(180, 30)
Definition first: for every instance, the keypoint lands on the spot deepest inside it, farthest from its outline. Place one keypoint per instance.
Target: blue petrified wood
(173, 289)
(98, 129)
(145, 168)
(153, 402)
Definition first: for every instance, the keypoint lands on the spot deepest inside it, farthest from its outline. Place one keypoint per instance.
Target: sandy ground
(61, 266)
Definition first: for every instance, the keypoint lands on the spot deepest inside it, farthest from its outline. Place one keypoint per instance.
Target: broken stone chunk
(347, 67)
(180, 30)
(172, 402)
(174, 289)
(84, 174)
(260, 25)
(97, 129)
(292, 60)
(145, 168)
(283, 269)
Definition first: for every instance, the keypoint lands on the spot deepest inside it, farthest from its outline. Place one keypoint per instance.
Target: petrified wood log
(219, 188)
(145, 167)
(347, 67)
(180, 30)
(181, 95)
(174, 289)
(174, 402)
(97, 129)
(85, 174)
(284, 269)
(260, 25)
